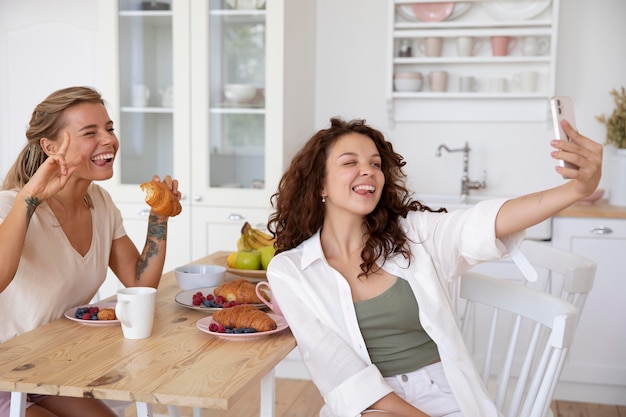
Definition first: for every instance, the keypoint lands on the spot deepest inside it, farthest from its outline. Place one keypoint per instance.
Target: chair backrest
(528, 338)
(569, 276)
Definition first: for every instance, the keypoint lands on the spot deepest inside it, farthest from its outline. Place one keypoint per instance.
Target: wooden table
(177, 365)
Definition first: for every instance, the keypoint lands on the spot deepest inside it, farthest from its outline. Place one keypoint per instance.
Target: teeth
(103, 156)
(369, 188)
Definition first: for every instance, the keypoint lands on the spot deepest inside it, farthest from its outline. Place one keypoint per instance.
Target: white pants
(428, 390)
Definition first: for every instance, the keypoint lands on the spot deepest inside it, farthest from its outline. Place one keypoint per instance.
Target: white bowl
(239, 92)
(190, 277)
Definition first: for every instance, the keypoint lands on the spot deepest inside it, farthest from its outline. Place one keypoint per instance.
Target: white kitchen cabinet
(497, 91)
(595, 371)
(170, 63)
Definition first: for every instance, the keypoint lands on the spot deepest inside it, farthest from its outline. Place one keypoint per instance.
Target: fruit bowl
(190, 277)
(250, 274)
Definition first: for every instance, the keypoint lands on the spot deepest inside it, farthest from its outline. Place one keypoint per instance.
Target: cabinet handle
(144, 212)
(601, 230)
(236, 216)
(197, 198)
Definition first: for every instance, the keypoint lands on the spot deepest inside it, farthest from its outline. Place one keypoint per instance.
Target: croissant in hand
(161, 199)
(245, 316)
(238, 290)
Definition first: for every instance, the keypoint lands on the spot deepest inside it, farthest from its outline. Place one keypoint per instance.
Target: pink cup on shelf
(502, 45)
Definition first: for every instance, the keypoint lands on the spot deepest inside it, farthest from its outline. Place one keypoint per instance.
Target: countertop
(601, 208)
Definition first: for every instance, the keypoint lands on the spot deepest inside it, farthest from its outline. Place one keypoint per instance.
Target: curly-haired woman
(362, 271)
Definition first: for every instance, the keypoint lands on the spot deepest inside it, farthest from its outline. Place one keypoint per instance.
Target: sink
(541, 231)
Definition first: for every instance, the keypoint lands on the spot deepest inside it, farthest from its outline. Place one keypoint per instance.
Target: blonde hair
(46, 121)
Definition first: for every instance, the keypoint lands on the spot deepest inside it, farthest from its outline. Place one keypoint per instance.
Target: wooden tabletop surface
(178, 364)
(600, 208)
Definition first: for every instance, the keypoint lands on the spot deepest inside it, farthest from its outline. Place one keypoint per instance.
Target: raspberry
(210, 297)
(221, 328)
(86, 316)
(213, 327)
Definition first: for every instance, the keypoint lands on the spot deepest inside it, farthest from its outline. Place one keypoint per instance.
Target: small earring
(323, 199)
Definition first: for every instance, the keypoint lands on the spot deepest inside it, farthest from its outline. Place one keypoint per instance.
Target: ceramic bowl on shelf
(408, 81)
(190, 277)
(239, 93)
(246, 4)
(433, 12)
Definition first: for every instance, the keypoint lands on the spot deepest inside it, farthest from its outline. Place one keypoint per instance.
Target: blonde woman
(59, 231)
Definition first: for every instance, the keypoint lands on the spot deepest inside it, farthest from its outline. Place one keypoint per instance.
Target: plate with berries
(94, 314)
(210, 326)
(203, 299)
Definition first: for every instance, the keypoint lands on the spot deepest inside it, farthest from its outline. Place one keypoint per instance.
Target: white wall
(44, 45)
(351, 59)
(351, 70)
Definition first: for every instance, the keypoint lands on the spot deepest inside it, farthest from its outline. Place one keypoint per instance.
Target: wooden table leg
(268, 395)
(18, 404)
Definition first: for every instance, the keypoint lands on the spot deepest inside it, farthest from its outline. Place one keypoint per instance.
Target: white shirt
(317, 303)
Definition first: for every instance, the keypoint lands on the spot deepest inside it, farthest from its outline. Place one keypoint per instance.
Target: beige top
(52, 277)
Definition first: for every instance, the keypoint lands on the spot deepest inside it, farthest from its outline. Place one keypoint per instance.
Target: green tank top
(393, 334)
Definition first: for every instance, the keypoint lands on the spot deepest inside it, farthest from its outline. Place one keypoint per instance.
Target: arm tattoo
(157, 231)
(31, 205)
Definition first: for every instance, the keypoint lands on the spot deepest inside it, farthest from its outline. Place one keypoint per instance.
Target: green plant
(616, 123)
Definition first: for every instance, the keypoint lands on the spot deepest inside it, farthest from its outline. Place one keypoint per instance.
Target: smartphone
(562, 107)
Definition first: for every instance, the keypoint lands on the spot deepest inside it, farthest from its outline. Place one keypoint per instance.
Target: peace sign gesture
(53, 174)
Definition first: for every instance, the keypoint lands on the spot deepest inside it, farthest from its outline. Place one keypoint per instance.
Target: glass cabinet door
(236, 83)
(146, 90)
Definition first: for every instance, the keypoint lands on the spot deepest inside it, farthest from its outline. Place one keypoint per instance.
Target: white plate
(406, 11)
(204, 323)
(185, 299)
(105, 304)
(515, 9)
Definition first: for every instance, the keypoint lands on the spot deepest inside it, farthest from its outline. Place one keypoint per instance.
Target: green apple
(248, 259)
(267, 253)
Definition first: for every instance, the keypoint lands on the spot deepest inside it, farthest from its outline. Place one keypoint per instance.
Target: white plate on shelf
(185, 299)
(515, 9)
(102, 305)
(204, 323)
(406, 11)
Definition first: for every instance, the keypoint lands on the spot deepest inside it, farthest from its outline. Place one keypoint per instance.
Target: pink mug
(502, 45)
(264, 296)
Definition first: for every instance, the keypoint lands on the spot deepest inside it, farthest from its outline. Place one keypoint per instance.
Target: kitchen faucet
(466, 183)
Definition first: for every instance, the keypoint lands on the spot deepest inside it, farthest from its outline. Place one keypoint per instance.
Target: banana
(256, 238)
(242, 243)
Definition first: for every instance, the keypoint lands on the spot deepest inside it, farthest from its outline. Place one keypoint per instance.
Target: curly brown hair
(298, 215)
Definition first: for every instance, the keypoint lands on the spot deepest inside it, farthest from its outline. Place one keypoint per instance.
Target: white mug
(468, 84)
(262, 294)
(431, 46)
(135, 310)
(526, 81)
(532, 45)
(140, 95)
(497, 85)
(467, 45)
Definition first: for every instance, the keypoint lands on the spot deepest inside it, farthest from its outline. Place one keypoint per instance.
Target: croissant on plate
(238, 290)
(161, 199)
(245, 316)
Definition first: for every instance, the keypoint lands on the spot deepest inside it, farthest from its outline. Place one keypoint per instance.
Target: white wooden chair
(528, 338)
(567, 275)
